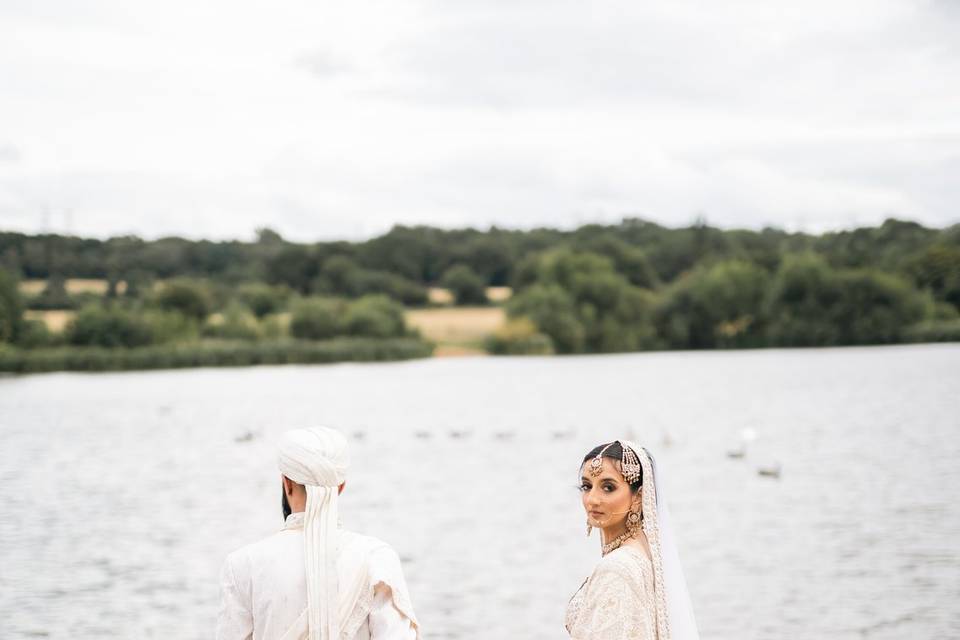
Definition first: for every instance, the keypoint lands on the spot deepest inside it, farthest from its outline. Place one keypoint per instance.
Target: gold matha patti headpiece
(629, 464)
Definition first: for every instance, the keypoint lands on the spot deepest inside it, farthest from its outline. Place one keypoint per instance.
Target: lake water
(121, 494)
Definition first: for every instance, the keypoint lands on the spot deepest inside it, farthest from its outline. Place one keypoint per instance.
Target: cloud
(321, 63)
(341, 120)
(9, 154)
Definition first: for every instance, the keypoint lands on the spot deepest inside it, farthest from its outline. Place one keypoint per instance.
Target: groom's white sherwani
(264, 590)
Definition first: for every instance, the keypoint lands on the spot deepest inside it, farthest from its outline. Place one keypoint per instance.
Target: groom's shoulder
(360, 540)
(262, 549)
(374, 549)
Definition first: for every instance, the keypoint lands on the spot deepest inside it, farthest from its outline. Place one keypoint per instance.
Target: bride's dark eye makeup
(608, 487)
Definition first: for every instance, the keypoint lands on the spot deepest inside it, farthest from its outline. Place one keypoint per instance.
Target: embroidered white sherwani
(264, 590)
(617, 600)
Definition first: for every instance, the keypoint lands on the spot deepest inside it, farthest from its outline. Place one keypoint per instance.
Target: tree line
(598, 288)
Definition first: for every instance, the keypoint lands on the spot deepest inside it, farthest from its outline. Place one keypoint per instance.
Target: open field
(456, 330)
(499, 294)
(73, 286)
(441, 296)
(56, 320)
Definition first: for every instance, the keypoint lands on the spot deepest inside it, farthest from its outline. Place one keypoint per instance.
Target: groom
(313, 580)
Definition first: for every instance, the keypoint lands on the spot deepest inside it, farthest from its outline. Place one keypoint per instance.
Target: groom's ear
(340, 488)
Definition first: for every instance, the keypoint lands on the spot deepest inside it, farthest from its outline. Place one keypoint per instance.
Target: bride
(637, 590)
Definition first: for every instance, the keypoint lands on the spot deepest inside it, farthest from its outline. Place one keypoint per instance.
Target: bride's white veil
(675, 619)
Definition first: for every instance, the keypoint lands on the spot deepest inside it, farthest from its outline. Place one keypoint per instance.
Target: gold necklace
(616, 542)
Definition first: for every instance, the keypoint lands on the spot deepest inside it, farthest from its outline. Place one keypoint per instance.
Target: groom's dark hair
(614, 451)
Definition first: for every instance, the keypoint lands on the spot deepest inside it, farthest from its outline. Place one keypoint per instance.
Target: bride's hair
(614, 451)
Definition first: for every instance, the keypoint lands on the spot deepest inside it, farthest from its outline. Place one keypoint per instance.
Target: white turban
(317, 458)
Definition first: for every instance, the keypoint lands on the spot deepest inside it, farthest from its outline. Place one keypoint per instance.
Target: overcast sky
(338, 120)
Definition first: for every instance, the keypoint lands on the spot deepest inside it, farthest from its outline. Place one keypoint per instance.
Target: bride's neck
(611, 532)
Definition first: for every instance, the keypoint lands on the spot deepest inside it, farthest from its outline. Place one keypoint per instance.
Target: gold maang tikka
(596, 465)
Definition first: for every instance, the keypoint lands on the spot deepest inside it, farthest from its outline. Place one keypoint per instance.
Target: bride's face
(606, 498)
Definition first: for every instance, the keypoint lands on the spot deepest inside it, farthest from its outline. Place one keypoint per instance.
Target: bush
(211, 354)
(170, 326)
(189, 298)
(519, 336)
(317, 318)
(236, 323)
(375, 317)
(99, 327)
(275, 327)
(465, 285)
(933, 331)
(553, 311)
(11, 308)
(34, 335)
(263, 299)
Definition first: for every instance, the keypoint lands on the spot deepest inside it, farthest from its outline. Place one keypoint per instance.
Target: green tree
(874, 308)
(263, 299)
(715, 306)
(375, 316)
(802, 292)
(317, 318)
(96, 326)
(812, 305)
(629, 261)
(341, 275)
(54, 295)
(11, 308)
(139, 283)
(465, 285)
(295, 266)
(585, 305)
(192, 299)
(266, 235)
(937, 268)
(554, 312)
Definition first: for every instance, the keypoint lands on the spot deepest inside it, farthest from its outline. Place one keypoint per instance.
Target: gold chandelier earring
(634, 522)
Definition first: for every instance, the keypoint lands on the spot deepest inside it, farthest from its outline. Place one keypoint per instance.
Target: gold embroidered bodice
(617, 600)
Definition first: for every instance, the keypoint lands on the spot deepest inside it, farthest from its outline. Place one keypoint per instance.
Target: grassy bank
(209, 353)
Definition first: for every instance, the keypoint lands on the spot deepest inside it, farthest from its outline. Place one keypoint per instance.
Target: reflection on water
(121, 493)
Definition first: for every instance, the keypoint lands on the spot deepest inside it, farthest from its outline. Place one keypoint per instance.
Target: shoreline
(212, 354)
